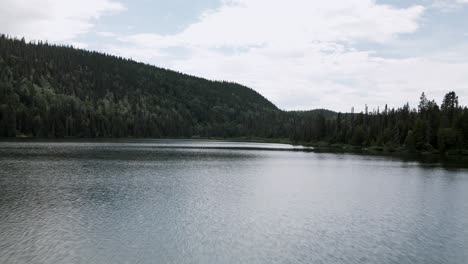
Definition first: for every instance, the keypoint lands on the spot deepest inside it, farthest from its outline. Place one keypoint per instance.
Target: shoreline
(458, 156)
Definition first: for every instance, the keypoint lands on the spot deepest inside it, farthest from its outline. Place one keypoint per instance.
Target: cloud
(297, 53)
(301, 54)
(255, 22)
(106, 34)
(53, 20)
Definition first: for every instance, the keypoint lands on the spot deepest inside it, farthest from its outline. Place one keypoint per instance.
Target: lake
(193, 201)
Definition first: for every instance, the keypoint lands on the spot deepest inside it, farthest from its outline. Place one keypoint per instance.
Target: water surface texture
(163, 201)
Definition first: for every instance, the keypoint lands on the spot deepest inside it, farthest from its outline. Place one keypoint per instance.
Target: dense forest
(58, 91)
(427, 128)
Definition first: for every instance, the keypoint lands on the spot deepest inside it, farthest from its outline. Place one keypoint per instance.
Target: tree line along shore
(50, 91)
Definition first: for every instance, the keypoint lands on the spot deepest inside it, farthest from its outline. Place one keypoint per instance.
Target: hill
(56, 91)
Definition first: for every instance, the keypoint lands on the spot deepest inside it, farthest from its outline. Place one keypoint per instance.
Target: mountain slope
(57, 91)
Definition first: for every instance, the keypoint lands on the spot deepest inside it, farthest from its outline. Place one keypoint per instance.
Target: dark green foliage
(425, 129)
(359, 136)
(449, 138)
(410, 141)
(56, 91)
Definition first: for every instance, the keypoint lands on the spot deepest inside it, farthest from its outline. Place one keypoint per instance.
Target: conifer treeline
(425, 128)
(57, 91)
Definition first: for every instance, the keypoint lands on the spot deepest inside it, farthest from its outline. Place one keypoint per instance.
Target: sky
(300, 54)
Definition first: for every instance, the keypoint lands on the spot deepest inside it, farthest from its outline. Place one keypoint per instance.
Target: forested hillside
(56, 91)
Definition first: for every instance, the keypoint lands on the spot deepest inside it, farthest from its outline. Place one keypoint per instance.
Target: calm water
(219, 202)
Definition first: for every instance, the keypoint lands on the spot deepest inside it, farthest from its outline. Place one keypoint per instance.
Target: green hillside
(55, 91)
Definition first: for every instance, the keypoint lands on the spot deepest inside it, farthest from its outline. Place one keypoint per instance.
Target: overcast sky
(300, 54)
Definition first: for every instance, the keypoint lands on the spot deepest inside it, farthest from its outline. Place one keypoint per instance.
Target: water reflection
(122, 203)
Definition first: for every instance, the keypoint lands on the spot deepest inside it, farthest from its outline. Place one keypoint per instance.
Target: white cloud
(298, 53)
(335, 80)
(106, 34)
(301, 54)
(52, 20)
(256, 22)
